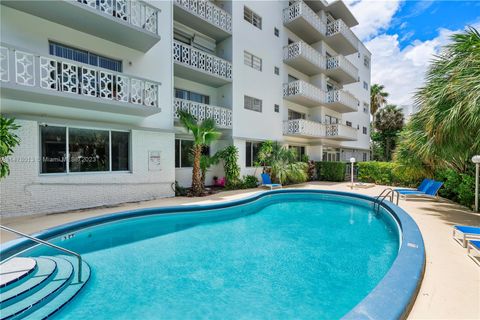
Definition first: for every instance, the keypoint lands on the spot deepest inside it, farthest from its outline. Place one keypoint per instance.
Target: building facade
(96, 87)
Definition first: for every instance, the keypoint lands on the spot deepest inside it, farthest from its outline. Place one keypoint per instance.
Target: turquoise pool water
(303, 256)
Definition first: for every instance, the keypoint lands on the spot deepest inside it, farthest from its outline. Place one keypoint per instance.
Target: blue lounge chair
(431, 191)
(267, 182)
(474, 245)
(462, 234)
(422, 187)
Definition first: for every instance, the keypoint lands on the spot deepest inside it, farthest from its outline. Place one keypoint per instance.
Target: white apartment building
(96, 86)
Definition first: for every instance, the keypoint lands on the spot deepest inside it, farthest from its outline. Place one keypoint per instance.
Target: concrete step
(62, 277)
(15, 269)
(43, 272)
(67, 294)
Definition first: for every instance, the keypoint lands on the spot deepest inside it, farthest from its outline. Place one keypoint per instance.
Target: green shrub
(331, 171)
(458, 187)
(250, 182)
(387, 173)
(229, 155)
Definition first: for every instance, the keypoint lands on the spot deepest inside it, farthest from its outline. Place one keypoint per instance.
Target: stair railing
(40, 241)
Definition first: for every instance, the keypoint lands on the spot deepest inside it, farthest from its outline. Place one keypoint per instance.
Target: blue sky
(420, 19)
(404, 35)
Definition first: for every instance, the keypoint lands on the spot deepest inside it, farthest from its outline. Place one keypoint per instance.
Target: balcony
(342, 101)
(340, 132)
(341, 70)
(205, 17)
(304, 58)
(133, 24)
(221, 116)
(200, 66)
(55, 81)
(303, 93)
(303, 128)
(301, 20)
(340, 37)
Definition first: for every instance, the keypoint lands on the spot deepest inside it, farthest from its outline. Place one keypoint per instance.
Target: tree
(378, 98)
(445, 132)
(8, 141)
(204, 133)
(388, 123)
(229, 155)
(283, 163)
(205, 163)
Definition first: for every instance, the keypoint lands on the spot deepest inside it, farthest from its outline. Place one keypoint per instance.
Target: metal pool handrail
(40, 241)
(380, 198)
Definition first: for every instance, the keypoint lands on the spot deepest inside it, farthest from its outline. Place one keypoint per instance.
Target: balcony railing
(300, 9)
(221, 116)
(301, 127)
(342, 97)
(341, 131)
(201, 60)
(340, 62)
(54, 74)
(137, 13)
(209, 12)
(302, 50)
(305, 89)
(338, 26)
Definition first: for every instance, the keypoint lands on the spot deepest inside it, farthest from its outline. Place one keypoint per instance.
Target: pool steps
(44, 290)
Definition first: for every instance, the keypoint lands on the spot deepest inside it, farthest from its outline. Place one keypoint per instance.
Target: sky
(404, 35)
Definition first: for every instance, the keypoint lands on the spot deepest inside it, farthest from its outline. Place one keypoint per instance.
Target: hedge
(458, 187)
(386, 173)
(331, 171)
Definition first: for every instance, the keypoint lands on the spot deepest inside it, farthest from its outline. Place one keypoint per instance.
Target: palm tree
(204, 133)
(283, 163)
(446, 130)
(378, 97)
(388, 122)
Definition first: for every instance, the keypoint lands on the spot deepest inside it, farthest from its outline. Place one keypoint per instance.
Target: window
(330, 119)
(366, 61)
(276, 108)
(292, 78)
(252, 17)
(293, 115)
(299, 150)
(84, 56)
(349, 124)
(54, 149)
(192, 96)
(365, 85)
(88, 150)
(183, 153)
(252, 61)
(276, 70)
(331, 154)
(365, 107)
(253, 104)
(251, 153)
(364, 129)
(276, 32)
(364, 156)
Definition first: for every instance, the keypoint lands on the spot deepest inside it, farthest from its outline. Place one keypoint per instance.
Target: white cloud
(373, 16)
(402, 71)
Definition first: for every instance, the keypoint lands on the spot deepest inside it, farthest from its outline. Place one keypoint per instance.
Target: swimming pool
(281, 254)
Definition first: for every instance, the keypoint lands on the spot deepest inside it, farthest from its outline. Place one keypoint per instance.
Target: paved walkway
(450, 288)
